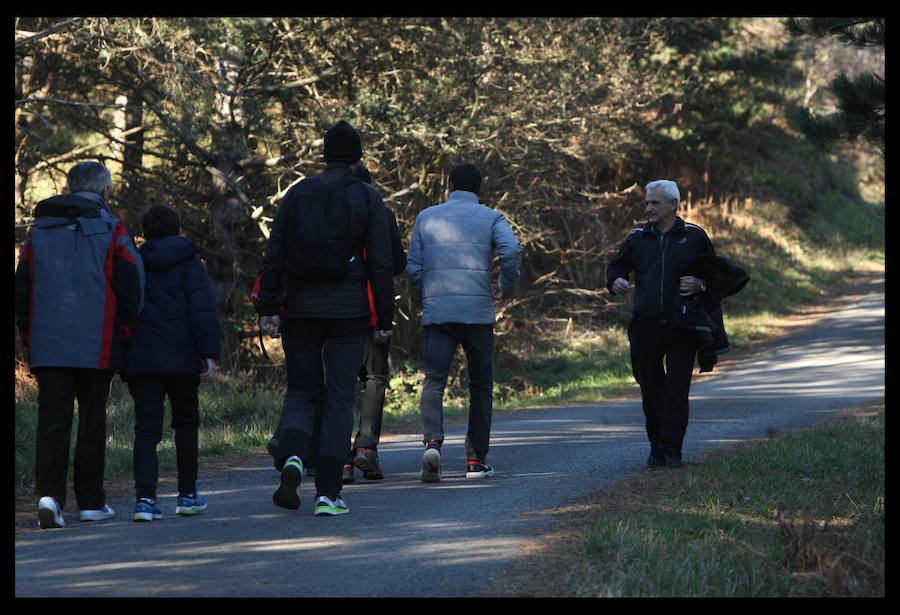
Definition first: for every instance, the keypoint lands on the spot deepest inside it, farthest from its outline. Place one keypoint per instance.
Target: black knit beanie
(342, 144)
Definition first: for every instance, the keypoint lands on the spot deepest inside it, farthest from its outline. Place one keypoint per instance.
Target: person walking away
(662, 355)
(79, 290)
(373, 373)
(449, 265)
(375, 368)
(175, 345)
(318, 236)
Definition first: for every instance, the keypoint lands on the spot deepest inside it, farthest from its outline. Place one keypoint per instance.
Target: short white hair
(668, 188)
(89, 177)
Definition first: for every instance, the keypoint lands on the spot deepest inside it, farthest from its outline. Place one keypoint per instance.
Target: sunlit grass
(800, 515)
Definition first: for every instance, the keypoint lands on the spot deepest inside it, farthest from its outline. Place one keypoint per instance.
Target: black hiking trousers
(662, 361)
(149, 392)
(58, 387)
(314, 347)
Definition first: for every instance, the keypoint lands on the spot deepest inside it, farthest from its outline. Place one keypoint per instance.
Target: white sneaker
(475, 469)
(325, 506)
(98, 515)
(49, 514)
(431, 466)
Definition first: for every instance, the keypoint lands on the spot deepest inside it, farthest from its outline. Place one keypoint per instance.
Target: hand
(689, 285)
(381, 336)
(621, 286)
(496, 292)
(270, 325)
(212, 368)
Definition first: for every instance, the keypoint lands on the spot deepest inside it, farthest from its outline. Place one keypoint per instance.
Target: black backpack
(320, 233)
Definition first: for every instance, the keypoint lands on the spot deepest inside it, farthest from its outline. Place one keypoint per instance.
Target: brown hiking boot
(366, 459)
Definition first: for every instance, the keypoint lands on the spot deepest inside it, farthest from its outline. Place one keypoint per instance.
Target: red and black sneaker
(476, 469)
(347, 474)
(431, 462)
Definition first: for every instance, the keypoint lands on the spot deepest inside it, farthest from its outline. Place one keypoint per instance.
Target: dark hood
(165, 252)
(68, 206)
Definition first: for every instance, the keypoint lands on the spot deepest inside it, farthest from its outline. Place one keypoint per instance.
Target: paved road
(457, 537)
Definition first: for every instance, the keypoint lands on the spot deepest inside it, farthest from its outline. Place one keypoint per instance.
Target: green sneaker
(286, 496)
(325, 506)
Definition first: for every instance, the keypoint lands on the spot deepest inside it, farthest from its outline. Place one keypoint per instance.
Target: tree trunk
(131, 153)
(227, 212)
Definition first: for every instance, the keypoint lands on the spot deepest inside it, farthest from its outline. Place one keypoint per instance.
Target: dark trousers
(664, 392)
(312, 349)
(149, 392)
(375, 375)
(440, 345)
(58, 387)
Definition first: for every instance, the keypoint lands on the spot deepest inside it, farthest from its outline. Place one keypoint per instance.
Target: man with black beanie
(320, 231)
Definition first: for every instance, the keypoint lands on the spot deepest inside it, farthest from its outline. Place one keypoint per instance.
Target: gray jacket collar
(93, 196)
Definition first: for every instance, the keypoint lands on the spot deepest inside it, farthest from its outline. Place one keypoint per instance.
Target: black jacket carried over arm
(334, 299)
(723, 278)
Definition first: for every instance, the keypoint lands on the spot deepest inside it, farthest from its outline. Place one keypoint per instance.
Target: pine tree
(860, 101)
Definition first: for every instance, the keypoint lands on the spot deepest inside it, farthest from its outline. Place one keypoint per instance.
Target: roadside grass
(799, 515)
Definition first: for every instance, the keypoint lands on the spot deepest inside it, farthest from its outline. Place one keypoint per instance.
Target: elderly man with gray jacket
(449, 265)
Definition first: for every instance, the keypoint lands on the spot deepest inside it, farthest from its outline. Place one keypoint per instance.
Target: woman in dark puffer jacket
(174, 346)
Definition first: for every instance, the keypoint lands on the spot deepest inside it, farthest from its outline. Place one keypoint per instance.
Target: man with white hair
(656, 252)
(79, 291)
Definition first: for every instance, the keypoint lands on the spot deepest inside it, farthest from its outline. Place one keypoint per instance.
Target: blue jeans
(312, 349)
(440, 345)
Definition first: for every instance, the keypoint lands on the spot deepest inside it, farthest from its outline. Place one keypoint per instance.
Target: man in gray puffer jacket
(449, 265)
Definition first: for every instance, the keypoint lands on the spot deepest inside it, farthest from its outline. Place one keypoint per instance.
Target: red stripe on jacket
(109, 303)
(373, 316)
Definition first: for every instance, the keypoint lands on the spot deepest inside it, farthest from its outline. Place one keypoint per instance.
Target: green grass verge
(799, 515)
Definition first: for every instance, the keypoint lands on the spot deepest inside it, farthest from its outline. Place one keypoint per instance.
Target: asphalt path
(458, 537)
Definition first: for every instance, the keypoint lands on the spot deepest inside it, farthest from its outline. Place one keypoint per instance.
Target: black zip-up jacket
(657, 267)
(341, 299)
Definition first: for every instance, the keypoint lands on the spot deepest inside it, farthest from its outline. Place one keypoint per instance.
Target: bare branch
(24, 42)
(80, 150)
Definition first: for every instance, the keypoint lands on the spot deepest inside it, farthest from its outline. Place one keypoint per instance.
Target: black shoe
(366, 459)
(347, 474)
(656, 457)
(672, 459)
(286, 496)
(272, 446)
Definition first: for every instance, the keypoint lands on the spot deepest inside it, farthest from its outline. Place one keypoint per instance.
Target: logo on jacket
(683, 240)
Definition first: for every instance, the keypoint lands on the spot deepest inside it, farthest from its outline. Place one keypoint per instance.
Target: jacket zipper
(662, 274)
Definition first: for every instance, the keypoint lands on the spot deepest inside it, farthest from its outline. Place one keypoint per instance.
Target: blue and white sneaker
(325, 506)
(49, 514)
(146, 510)
(101, 514)
(190, 504)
